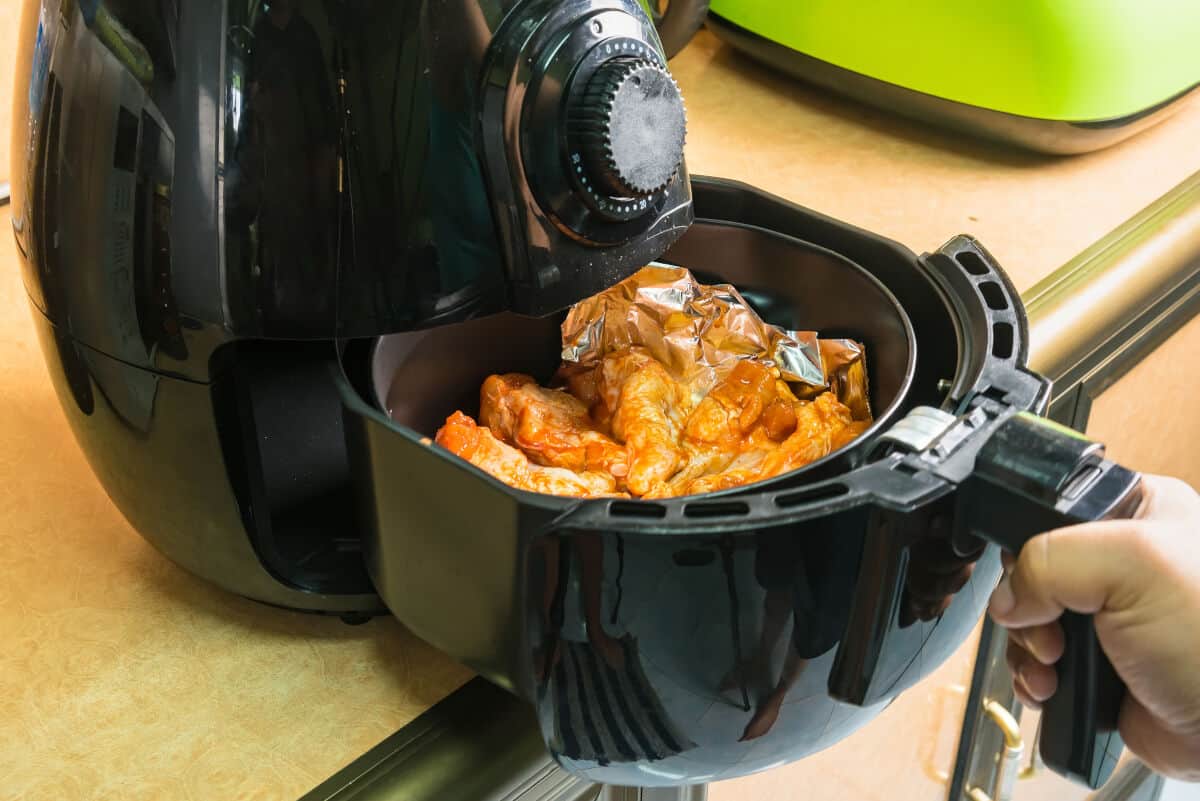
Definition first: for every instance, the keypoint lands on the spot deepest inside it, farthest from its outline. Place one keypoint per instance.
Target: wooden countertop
(122, 676)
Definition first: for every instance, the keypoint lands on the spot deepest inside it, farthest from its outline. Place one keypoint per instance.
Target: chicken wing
(627, 426)
(737, 416)
(463, 437)
(549, 426)
(649, 414)
(734, 407)
(599, 385)
(819, 424)
(822, 425)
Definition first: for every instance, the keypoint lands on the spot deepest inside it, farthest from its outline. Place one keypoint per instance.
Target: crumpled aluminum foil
(698, 331)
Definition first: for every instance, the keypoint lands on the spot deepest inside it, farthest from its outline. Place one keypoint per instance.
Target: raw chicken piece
(819, 425)
(580, 381)
(850, 433)
(549, 426)
(462, 437)
(599, 385)
(627, 426)
(734, 407)
(737, 417)
(822, 425)
(650, 410)
(633, 395)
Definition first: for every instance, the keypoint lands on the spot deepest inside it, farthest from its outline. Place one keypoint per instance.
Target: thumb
(1085, 568)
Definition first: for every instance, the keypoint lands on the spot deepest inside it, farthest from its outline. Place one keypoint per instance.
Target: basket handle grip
(1031, 476)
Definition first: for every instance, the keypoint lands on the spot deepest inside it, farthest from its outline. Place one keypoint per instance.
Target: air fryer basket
(694, 639)
(560, 616)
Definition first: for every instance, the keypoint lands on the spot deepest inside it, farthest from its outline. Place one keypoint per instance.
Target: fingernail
(1037, 694)
(1003, 599)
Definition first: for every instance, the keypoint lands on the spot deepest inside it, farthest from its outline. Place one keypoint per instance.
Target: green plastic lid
(1066, 60)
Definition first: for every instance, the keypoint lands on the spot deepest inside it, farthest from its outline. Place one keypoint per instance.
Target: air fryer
(301, 256)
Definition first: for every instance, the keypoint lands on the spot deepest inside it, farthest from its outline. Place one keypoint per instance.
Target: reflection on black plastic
(342, 118)
(667, 660)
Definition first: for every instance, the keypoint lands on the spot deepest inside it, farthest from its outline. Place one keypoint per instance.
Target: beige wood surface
(123, 677)
(1150, 418)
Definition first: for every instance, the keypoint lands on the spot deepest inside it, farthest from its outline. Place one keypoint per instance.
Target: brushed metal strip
(1074, 312)
(478, 744)
(697, 792)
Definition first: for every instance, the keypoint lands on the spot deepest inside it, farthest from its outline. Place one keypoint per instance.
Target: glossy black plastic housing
(695, 639)
(654, 636)
(1033, 476)
(203, 208)
(300, 170)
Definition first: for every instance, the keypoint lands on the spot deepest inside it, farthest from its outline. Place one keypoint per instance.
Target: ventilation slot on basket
(802, 497)
(972, 262)
(1002, 341)
(996, 393)
(993, 295)
(716, 509)
(637, 509)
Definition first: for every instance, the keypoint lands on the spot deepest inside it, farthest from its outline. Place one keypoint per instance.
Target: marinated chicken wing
(734, 407)
(649, 414)
(626, 425)
(819, 424)
(743, 413)
(822, 426)
(549, 426)
(463, 437)
(599, 385)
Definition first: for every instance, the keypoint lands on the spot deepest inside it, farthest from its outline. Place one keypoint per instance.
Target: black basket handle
(1031, 476)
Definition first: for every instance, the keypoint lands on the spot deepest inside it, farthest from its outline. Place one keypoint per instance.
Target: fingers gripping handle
(1033, 476)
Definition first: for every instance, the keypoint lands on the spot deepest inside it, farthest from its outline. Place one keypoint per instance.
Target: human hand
(1140, 579)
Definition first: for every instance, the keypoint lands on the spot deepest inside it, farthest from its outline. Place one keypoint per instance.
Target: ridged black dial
(629, 127)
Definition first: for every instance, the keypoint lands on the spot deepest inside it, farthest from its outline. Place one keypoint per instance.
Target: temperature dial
(628, 126)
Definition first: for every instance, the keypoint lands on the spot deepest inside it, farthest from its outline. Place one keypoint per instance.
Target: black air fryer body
(207, 194)
(270, 246)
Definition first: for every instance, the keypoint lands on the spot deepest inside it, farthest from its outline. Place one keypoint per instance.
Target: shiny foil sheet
(700, 332)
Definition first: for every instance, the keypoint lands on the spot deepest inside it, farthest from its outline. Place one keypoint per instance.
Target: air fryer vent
(637, 509)
(801, 497)
(716, 509)
(972, 262)
(1002, 340)
(993, 295)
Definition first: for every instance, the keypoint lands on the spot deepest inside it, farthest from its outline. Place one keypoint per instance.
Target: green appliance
(1060, 76)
